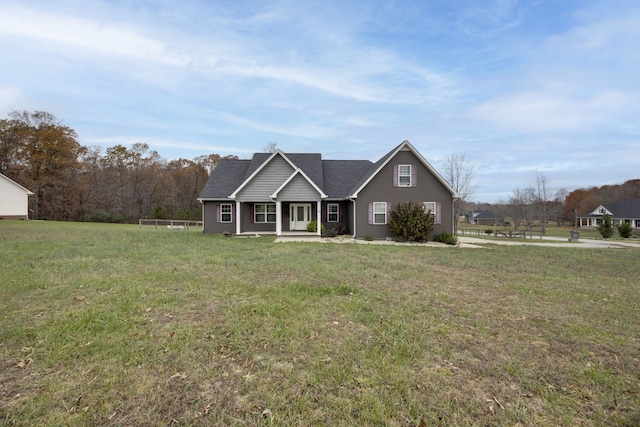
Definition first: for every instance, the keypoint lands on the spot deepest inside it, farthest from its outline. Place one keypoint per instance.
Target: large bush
(409, 222)
(606, 227)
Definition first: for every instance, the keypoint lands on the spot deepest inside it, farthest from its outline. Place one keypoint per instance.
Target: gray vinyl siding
(381, 189)
(266, 182)
(298, 190)
(210, 219)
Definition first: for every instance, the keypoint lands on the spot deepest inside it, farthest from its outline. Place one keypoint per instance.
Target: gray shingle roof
(625, 209)
(225, 178)
(483, 215)
(340, 175)
(311, 165)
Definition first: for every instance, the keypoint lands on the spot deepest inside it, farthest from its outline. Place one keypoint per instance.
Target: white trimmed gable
(298, 187)
(406, 146)
(601, 210)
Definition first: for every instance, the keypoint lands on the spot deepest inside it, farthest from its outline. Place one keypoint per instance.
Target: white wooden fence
(171, 224)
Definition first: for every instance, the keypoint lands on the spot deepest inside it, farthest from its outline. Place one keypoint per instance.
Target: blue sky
(518, 87)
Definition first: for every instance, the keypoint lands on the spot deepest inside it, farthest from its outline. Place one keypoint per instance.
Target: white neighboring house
(622, 211)
(14, 199)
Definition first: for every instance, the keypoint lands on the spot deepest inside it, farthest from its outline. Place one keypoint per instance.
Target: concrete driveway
(558, 242)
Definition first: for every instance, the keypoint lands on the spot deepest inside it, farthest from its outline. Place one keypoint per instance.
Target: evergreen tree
(606, 228)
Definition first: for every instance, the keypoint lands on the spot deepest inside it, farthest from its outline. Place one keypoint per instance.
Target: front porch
(277, 218)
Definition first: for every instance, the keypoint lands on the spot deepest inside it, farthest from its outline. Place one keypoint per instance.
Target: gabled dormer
(601, 210)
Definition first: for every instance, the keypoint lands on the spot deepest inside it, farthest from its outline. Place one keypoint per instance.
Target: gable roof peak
(384, 160)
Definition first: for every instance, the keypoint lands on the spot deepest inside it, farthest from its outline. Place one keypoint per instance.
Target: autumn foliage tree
(74, 182)
(42, 154)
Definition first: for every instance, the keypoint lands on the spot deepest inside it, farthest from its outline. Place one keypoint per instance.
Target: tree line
(73, 182)
(536, 205)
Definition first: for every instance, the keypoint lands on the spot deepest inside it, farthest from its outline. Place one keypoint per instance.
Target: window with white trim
(226, 211)
(264, 212)
(333, 212)
(404, 175)
(429, 207)
(379, 212)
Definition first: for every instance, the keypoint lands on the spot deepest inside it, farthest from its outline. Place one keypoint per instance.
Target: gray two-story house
(279, 193)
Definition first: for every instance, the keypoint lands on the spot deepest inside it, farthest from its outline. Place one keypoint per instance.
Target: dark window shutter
(233, 212)
(325, 212)
(414, 175)
(251, 211)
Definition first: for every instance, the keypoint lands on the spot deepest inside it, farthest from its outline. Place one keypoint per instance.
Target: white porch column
(319, 217)
(238, 217)
(278, 218)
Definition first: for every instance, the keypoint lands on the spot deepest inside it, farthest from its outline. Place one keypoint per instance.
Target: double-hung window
(379, 212)
(332, 212)
(430, 207)
(404, 175)
(264, 212)
(226, 212)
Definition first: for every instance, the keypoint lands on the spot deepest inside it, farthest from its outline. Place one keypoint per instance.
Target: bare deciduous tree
(270, 147)
(459, 173)
(541, 200)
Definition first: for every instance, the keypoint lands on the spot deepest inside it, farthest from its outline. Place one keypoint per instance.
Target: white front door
(300, 216)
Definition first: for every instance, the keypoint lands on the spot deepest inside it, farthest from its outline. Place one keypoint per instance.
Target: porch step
(308, 237)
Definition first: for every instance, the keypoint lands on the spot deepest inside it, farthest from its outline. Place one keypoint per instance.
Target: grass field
(116, 325)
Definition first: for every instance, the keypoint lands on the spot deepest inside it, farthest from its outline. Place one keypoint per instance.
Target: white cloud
(550, 109)
(156, 143)
(71, 32)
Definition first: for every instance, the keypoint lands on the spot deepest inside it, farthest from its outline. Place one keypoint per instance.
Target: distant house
(623, 211)
(279, 193)
(483, 218)
(14, 199)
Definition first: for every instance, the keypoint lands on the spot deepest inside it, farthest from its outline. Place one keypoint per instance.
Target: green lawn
(117, 325)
